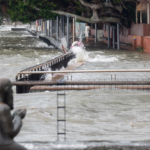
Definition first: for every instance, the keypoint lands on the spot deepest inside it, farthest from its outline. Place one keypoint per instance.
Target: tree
(91, 11)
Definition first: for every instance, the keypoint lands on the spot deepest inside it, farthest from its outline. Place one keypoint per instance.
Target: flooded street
(93, 115)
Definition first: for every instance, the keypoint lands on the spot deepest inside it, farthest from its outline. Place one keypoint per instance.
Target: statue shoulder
(4, 108)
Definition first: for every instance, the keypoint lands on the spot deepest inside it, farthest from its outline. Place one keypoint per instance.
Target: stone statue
(10, 125)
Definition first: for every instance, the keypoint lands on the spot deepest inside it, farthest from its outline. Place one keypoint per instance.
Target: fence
(97, 115)
(54, 64)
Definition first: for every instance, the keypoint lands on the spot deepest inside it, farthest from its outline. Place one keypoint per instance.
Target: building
(135, 37)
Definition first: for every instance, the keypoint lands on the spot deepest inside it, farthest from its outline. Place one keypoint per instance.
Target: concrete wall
(146, 44)
(140, 29)
(138, 35)
(99, 35)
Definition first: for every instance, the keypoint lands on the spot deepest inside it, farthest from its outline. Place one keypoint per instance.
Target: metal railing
(81, 86)
(54, 64)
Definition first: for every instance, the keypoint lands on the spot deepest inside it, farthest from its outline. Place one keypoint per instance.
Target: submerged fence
(89, 112)
(65, 84)
(54, 64)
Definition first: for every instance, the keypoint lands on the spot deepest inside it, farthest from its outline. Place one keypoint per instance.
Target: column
(141, 13)
(51, 31)
(113, 28)
(118, 38)
(57, 28)
(67, 31)
(148, 15)
(49, 28)
(41, 25)
(61, 26)
(73, 29)
(95, 32)
(45, 27)
(108, 36)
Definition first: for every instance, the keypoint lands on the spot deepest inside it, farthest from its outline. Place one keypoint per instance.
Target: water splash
(82, 55)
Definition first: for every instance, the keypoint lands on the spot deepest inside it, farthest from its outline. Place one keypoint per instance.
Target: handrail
(85, 71)
(42, 64)
(32, 83)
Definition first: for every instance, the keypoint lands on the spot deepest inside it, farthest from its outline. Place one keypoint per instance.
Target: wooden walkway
(56, 77)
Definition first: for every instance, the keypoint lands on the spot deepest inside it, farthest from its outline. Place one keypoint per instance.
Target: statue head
(6, 93)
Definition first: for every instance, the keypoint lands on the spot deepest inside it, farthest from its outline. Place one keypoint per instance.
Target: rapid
(94, 117)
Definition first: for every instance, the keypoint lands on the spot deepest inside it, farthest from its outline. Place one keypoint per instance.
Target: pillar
(73, 29)
(113, 28)
(61, 26)
(51, 30)
(118, 38)
(68, 31)
(45, 27)
(57, 28)
(148, 15)
(141, 13)
(41, 25)
(95, 32)
(108, 36)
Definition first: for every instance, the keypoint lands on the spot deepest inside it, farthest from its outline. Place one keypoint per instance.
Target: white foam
(42, 44)
(18, 55)
(5, 28)
(37, 61)
(4, 64)
(48, 76)
(99, 58)
(8, 27)
(81, 54)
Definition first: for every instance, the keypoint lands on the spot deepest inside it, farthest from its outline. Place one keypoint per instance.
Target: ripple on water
(91, 115)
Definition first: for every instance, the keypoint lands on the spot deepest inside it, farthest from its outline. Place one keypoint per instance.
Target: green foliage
(27, 12)
(116, 1)
(140, 49)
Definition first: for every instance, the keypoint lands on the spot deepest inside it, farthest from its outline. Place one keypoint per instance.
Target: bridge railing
(132, 83)
(67, 112)
(53, 64)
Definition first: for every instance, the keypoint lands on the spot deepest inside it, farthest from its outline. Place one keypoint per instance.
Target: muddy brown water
(95, 118)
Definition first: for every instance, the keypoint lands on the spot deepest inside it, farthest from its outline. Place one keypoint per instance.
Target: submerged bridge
(53, 64)
(48, 40)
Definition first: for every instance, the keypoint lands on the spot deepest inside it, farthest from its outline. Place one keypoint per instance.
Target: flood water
(119, 116)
